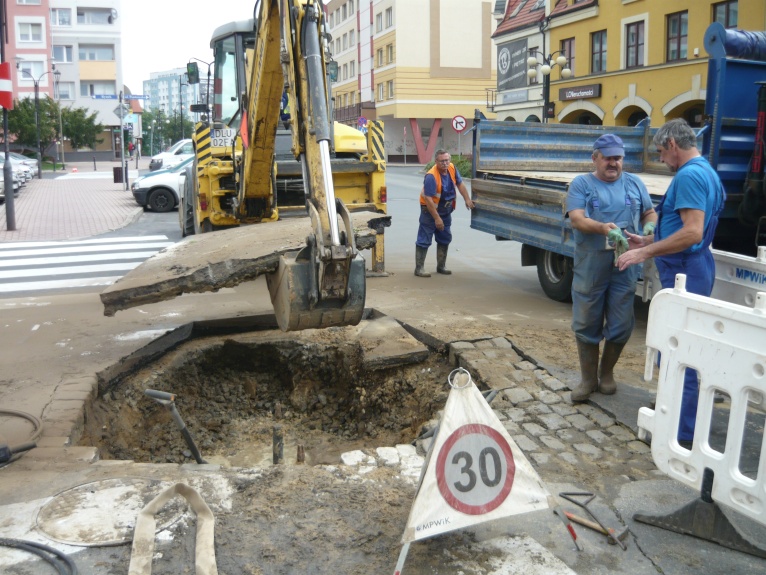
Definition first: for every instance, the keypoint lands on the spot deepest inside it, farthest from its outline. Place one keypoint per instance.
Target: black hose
(59, 561)
(38, 430)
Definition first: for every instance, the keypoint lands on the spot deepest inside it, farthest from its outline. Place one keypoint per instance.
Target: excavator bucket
(294, 290)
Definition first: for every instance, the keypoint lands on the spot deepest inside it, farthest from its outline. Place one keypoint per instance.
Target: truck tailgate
(226, 258)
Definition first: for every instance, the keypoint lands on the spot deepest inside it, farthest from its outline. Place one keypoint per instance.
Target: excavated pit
(329, 391)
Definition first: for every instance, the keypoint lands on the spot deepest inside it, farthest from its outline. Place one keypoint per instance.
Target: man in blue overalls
(688, 217)
(437, 202)
(601, 205)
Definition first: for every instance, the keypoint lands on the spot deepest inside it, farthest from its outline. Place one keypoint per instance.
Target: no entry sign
(475, 469)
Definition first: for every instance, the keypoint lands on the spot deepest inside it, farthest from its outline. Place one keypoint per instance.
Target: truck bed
(656, 184)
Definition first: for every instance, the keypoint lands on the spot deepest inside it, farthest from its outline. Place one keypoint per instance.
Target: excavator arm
(323, 284)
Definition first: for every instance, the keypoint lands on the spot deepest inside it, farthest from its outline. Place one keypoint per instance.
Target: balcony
(348, 114)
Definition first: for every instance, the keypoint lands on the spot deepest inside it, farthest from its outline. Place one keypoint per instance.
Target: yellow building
(629, 59)
(417, 65)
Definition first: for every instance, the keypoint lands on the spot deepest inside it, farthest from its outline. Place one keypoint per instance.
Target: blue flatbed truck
(521, 173)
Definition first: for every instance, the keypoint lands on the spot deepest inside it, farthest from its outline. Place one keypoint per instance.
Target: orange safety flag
(243, 130)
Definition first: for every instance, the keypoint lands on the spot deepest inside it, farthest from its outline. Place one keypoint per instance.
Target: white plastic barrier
(726, 344)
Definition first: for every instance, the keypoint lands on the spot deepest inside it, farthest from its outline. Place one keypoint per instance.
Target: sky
(160, 35)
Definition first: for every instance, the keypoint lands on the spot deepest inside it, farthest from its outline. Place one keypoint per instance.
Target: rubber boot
(606, 383)
(420, 261)
(588, 353)
(441, 259)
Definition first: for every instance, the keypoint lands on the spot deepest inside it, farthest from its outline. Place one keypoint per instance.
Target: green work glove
(649, 228)
(619, 242)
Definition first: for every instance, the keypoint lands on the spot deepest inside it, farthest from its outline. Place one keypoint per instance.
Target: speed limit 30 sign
(475, 469)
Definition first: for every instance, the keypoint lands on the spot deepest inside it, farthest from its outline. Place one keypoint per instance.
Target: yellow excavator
(234, 180)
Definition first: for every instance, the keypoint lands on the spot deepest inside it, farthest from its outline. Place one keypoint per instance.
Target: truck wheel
(555, 273)
(162, 200)
(186, 209)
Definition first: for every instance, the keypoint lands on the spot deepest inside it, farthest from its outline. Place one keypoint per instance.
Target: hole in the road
(231, 392)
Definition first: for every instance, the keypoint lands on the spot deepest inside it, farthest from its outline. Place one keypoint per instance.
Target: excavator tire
(292, 288)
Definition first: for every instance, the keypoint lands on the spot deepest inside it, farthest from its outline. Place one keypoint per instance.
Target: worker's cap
(609, 145)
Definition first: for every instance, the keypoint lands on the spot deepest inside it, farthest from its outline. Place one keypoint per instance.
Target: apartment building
(169, 91)
(416, 65)
(80, 43)
(610, 62)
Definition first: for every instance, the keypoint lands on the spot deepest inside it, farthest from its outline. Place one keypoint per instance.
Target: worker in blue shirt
(680, 244)
(601, 205)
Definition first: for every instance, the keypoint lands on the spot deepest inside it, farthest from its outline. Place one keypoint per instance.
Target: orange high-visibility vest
(434, 171)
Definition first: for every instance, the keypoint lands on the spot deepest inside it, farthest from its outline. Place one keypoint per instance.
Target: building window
(345, 41)
(345, 71)
(380, 57)
(65, 91)
(352, 68)
(332, 19)
(378, 22)
(35, 2)
(390, 54)
(598, 52)
(390, 89)
(96, 53)
(32, 67)
(568, 48)
(352, 96)
(380, 92)
(61, 17)
(634, 45)
(344, 11)
(351, 8)
(90, 89)
(351, 38)
(726, 13)
(94, 16)
(389, 17)
(534, 51)
(337, 45)
(29, 32)
(62, 54)
(678, 31)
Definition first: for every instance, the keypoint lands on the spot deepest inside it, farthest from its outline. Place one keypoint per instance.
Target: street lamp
(57, 76)
(36, 82)
(545, 69)
(181, 101)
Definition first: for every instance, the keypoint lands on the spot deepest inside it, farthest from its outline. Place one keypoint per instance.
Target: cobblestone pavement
(70, 206)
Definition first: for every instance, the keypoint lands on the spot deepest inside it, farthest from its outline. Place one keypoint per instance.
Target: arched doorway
(510, 119)
(532, 118)
(588, 119)
(636, 117)
(694, 116)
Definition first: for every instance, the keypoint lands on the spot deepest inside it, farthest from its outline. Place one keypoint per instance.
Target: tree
(21, 122)
(81, 127)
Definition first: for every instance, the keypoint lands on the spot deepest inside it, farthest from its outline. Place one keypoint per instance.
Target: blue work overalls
(699, 268)
(602, 295)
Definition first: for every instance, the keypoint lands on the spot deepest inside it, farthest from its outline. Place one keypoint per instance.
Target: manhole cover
(104, 512)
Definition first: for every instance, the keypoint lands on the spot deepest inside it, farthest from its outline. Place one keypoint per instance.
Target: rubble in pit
(232, 391)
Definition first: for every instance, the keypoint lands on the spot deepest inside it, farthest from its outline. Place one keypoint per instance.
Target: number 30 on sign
(475, 469)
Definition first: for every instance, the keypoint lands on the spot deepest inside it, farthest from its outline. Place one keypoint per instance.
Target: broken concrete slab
(385, 344)
(224, 258)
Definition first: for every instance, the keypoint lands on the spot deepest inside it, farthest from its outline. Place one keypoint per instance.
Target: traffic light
(192, 71)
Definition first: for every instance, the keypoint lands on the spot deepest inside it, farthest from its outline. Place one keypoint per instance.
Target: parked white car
(158, 191)
(173, 155)
(21, 173)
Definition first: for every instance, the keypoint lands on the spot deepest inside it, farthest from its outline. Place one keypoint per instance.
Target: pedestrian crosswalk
(59, 265)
